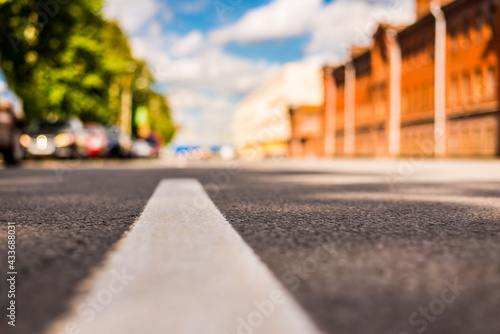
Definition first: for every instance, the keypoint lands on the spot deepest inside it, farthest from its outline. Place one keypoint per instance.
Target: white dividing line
(192, 274)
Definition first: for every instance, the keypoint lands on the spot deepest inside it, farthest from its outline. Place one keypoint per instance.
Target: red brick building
(417, 44)
(429, 89)
(339, 78)
(307, 137)
(472, 76)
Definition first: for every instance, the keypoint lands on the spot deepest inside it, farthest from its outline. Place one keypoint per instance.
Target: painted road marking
(183, 269)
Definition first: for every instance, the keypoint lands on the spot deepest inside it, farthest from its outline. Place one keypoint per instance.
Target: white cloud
(131, 14)
(332, 31)
(196, 102)
(332, 27)
(202, 116)
(214, 70)
(203, 66)
(188, 44)
(279, 19)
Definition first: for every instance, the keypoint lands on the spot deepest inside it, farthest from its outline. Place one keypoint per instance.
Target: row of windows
(418, 99)
(467, 88)
(480, 85)
(477, 27)
(472, 139)
(375, 107)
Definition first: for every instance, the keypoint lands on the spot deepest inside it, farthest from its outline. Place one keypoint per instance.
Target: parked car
(63, 138)
(11, 118)
(141, 149)
(149, 147)
(97, 140)
(119, 143)
(155, 142)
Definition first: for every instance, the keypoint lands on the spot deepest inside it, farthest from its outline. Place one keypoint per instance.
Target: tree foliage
(62, 57)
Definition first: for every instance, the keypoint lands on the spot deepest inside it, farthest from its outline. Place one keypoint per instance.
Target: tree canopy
(63, 58)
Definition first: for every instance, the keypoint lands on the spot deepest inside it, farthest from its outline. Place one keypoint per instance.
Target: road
(363, 246)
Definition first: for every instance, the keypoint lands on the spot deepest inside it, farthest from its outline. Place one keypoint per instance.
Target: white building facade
(261, 125)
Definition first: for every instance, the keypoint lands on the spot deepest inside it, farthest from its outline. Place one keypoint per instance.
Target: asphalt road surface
(364, 246)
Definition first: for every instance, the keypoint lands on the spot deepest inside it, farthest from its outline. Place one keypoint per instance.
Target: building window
(465, 88)
(428, 97)
(453, 96)
(424, 97)
(431, 96)
(418, 99)
(491, 84)
(411, 100)
(405, 102)
(478, 85)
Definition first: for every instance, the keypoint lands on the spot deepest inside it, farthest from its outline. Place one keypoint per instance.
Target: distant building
(262, 125)
(429, 89)
(307, 132)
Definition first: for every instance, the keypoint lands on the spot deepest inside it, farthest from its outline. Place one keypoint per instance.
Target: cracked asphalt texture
(364, 246)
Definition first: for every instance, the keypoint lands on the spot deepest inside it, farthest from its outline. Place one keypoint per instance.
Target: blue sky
(209, 54)
(212, 14)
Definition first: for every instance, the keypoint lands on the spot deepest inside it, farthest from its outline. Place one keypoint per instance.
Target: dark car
(120, 144)
(63, 138)
(97, 140)
(11, 117)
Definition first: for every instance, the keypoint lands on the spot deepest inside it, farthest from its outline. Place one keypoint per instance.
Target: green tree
(66, 59)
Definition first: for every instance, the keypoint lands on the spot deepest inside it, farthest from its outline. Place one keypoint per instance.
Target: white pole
(350, 106)
(440, 82)
(395, 95)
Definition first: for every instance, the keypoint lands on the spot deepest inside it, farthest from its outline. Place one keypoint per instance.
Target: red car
(97, 140)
